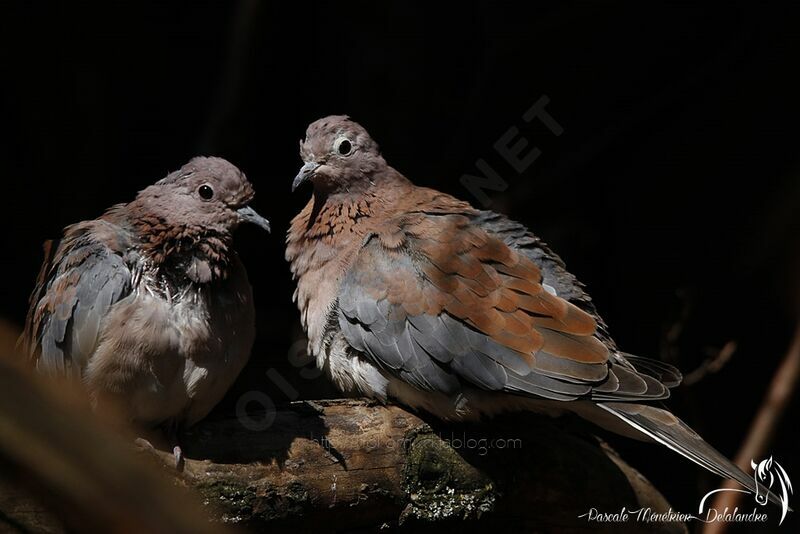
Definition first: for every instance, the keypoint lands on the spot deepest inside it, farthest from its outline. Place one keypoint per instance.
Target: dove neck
(379, 191)
(333, 213)
(187, 253)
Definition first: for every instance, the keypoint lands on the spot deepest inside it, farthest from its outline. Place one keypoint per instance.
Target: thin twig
(711, 365)
(762, 429)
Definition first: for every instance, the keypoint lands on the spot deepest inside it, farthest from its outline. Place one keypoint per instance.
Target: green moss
(440, 484)
(239, 503)
(287, 503)
(234, 500)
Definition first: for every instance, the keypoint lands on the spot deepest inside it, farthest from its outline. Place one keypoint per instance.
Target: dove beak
(248, 214)
(306, 172)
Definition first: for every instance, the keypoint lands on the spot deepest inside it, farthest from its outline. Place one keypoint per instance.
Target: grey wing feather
(86, 279)
(398, 349)
(663, 372)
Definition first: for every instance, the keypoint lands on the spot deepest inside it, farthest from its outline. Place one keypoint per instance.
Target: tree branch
(351, 464)
(762, 429)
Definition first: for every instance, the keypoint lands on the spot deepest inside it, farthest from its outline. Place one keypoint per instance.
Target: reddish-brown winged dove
(149, 304)
(409, 294)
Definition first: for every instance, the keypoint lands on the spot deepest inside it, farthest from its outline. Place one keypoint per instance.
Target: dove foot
(176, 460)
(177, 453)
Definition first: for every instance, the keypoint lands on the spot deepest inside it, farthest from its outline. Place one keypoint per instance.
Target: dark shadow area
(524, 444)
(258, 436)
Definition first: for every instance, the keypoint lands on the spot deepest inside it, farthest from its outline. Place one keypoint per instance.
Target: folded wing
(441, 303)
(80, 280)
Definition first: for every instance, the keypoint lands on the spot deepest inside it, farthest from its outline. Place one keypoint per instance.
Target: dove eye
(205, 192)
(342, 146)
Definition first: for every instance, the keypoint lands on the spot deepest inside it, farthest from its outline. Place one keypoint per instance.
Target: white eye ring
(343, 146)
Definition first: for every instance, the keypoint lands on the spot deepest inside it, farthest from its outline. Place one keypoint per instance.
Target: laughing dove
(409, 294)
(149, 305)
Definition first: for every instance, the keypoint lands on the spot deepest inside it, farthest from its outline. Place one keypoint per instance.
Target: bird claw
(177, 453)
(178, 460)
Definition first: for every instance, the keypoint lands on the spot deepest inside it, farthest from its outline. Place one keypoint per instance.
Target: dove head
(205, 196)
(338, 155)
(192, 212)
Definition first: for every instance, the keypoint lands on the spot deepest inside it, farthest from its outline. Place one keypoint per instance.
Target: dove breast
(188, 349)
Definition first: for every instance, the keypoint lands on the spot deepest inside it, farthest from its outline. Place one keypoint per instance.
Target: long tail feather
(663, 427)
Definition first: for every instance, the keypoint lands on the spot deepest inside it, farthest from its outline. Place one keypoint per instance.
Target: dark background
(673, 192)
